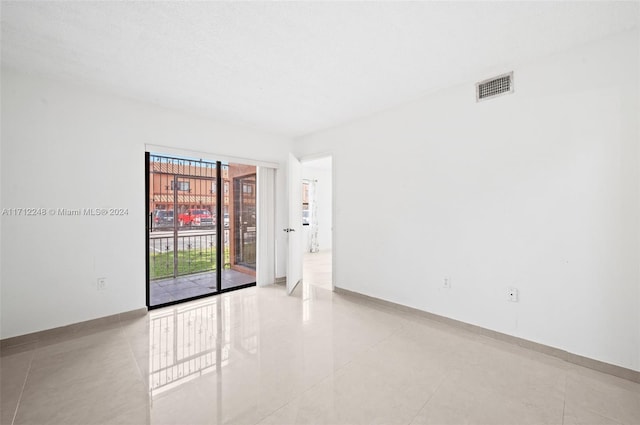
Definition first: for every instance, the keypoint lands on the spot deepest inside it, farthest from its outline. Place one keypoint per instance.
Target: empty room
(320, 212)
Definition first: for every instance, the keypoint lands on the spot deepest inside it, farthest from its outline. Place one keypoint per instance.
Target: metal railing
(196, 252)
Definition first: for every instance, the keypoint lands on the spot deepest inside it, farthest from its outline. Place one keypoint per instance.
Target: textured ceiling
(292, 68)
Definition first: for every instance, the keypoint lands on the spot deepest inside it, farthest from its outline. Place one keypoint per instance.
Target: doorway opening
(201, 228)
(317, 214)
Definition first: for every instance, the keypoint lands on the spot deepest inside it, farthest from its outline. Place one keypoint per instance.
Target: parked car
(195, 217)
(163, 218)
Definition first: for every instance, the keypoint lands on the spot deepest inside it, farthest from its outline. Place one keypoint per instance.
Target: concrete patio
(193, 285)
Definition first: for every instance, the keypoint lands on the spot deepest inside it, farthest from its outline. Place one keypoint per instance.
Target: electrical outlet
(512, 294)
(447, 283)
(102, 283)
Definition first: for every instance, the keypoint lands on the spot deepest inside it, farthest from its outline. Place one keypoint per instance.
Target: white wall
(538, 190)
(67, 147)
(322, 176)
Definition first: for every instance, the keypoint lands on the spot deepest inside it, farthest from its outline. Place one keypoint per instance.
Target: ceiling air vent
(495, 86)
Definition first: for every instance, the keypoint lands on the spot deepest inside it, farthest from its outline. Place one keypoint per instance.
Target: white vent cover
(495, 86)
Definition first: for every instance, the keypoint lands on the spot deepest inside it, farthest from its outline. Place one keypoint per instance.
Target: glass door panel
(245, 216)
(240, 225)
(182, 254)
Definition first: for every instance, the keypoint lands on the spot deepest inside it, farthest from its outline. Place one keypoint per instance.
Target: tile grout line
(429, 399)
(304, 391)
(371, 347)
(564, 406)
(145, 380)
(587, 409)
(24, 385)
(131, 353)
(289, 401)
(328, 376)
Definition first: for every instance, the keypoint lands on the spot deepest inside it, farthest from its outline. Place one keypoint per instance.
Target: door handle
(289, 230)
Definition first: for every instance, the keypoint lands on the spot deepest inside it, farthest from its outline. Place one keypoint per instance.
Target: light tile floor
(258, 356)
(317, 269)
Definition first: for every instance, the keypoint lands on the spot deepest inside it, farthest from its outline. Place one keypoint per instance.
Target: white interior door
(294, 230)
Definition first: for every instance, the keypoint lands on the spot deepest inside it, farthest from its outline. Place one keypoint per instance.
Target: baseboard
(75, 327)
(281, 280)
(610, 369)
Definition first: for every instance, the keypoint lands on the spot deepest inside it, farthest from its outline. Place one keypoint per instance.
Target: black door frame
(219, 238)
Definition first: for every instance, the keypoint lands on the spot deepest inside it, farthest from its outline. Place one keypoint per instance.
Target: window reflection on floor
(195, 339)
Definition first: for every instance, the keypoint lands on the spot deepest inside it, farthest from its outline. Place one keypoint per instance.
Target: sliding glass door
(199, 228)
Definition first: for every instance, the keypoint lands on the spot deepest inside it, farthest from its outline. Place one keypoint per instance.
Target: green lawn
(190, 261)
